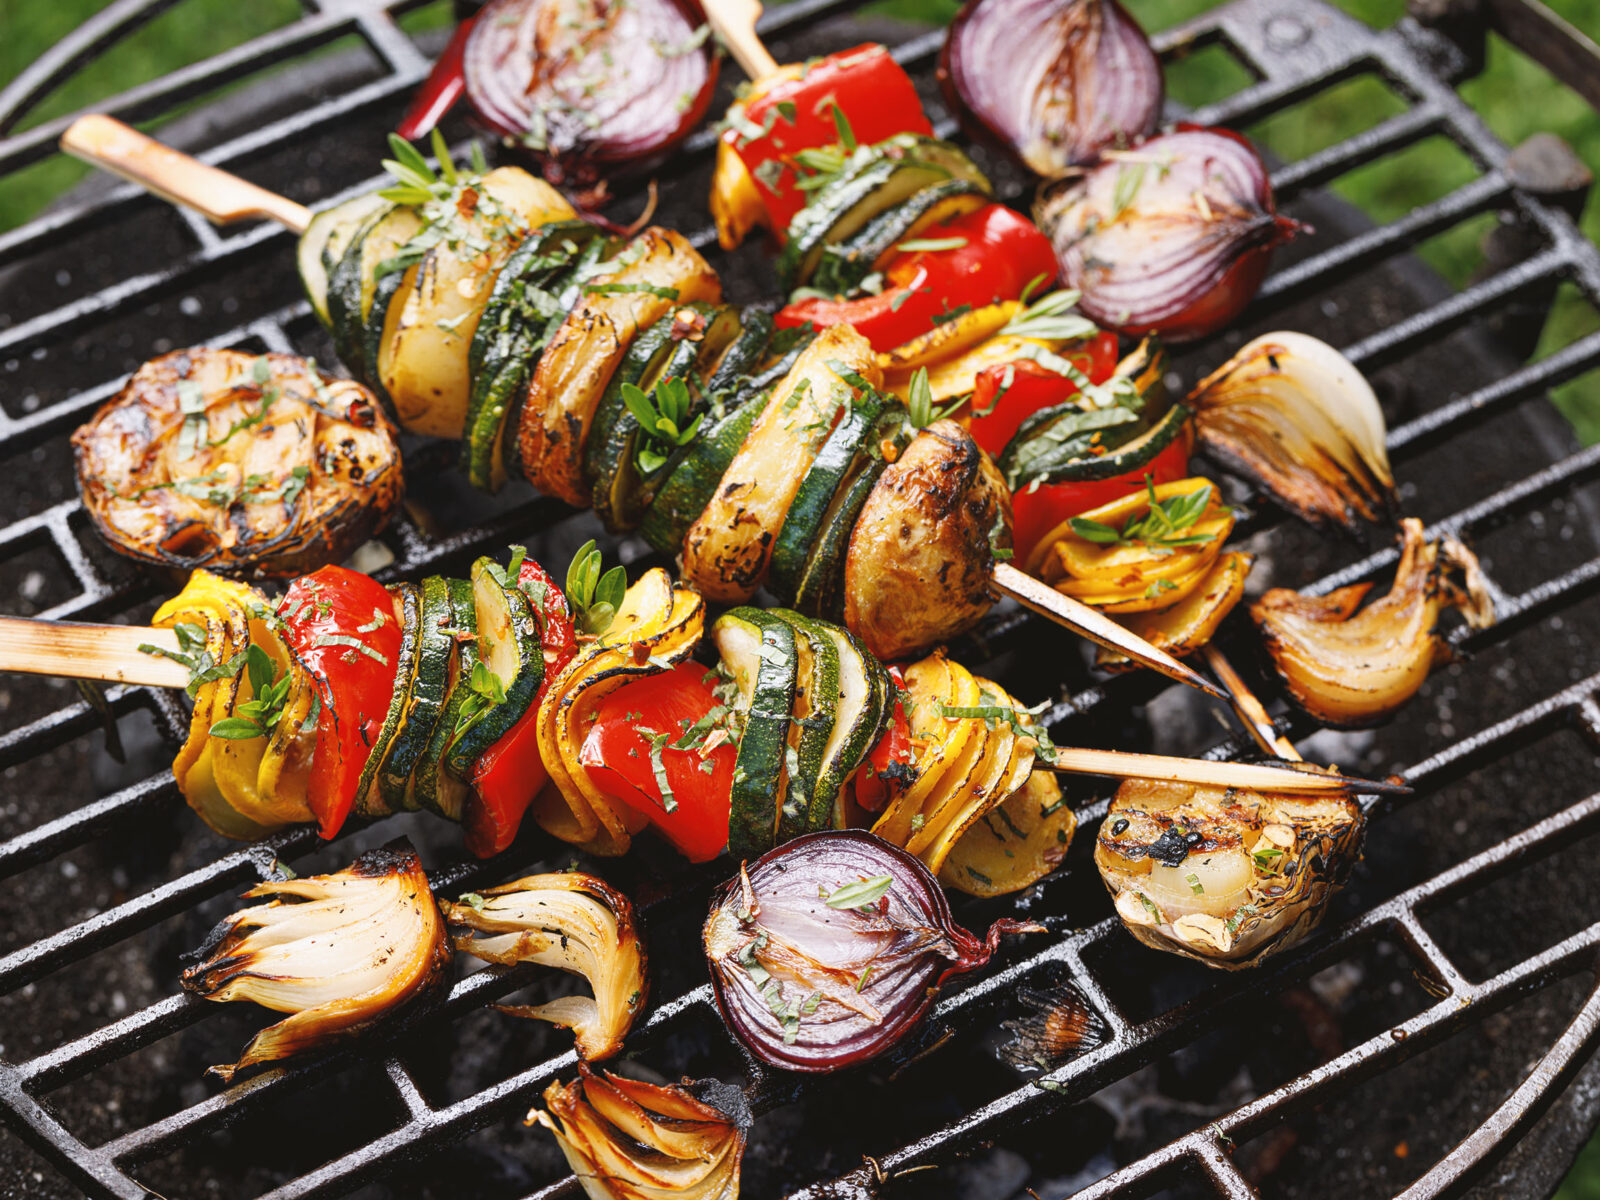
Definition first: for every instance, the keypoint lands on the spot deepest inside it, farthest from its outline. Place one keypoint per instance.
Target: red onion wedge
(586, 85)
(1056, 80)
(1170, 237)
(831, 948)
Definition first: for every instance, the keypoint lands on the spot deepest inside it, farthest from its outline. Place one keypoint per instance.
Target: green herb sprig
(1161, 527)
(1052, 318)
(663, 416)
(258, 716)
(860, 894)
(594, 596)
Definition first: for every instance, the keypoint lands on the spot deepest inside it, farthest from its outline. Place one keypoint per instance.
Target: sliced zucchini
(610, 460)
(738, 361)
(408, 609)
(345, 299)
(863, 708)
(759, 651)
(430, 680)
(1068, 457)
(851, 438)
(324, 242)
(843, 265)
(816, 706)
(819, 585)
(432, 785)
(895, 172)
(509, 646)
(683, 497)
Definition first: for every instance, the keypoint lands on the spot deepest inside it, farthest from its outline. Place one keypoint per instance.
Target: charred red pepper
(873, 92)
(510, 773)
(445, 85)
(1001, 255)
(1008, 394)
(342, 627)
(891, 765)
(658, 747)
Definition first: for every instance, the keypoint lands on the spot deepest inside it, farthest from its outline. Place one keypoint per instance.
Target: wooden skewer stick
(1096, 626)
(221, 197)
(734, 23)
(1260, 777)
(108, 652)
(1249, 707)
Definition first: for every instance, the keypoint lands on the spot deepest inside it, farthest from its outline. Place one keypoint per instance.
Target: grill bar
(1340, 51)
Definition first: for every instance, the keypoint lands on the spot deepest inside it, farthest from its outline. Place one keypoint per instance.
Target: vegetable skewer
(166, 172)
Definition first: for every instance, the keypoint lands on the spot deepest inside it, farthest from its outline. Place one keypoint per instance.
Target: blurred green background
(1514, 96)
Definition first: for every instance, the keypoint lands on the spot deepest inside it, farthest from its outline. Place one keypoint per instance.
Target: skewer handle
(1249, 707)
(108, 652)
(215, 194)
(1261, 777)
(1096, 626)
(734, 23)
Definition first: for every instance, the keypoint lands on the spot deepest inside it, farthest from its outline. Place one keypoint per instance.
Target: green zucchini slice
(843, 265)
(432, 786)
(862, 709)
(408, 611)
(759, 651)
(430, 680)
(816, 708)
(324, 242)
(509, 647)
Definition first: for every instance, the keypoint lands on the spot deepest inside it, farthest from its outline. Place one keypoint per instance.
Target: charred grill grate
(1294, 50)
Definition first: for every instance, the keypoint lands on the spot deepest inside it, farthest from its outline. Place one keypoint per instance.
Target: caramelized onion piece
(627, 1140)
(585, 85)
(1224, 876)
(1355, 668)
(1056, 80)
(830, 949)
(1169, 237)
(339, 952)
(257, 466)
(1294, 415)
(573, 922)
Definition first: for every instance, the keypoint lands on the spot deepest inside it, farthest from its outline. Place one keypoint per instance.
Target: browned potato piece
(922, 552)
(281, 469)
(658, 271)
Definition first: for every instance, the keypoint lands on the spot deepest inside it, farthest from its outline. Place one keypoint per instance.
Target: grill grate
(1294, 50)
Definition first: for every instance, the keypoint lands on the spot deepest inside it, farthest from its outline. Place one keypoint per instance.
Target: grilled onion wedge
(253, 466)
(627, 1140)
(1223, 875)
(576, 923)
(338, 952)
(1352, 668)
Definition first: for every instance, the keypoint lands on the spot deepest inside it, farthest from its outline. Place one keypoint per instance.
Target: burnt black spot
(1119, 827)
(1172, 847)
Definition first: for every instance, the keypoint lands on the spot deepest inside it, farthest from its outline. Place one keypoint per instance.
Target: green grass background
(1514, 96)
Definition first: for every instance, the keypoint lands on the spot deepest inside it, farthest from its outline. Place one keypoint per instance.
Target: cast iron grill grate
(1294, 50)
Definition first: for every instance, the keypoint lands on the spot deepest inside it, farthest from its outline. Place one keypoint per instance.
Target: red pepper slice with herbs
(1006, 395)
(631, 751)
(1002, 255)
(510, 773)
(444, 86)
(1036, 509)
(891, 765)
(342, 627)
(873, 92)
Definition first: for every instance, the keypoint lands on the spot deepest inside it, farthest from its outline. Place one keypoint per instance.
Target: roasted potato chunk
(1223, 875)
(252, 466)
(922, 552)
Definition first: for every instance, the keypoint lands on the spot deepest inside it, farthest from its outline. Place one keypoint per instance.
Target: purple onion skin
(1170, 237)
(537, 73)
(908, 939)
(1056, 81)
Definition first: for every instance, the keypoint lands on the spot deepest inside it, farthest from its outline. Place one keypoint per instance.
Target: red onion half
(831, 947)
(1170, 237)
(1056, 80)
(583, 84)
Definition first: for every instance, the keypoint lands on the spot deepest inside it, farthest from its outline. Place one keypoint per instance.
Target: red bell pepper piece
(1003, 253)
(622, 757)
(510, 773)
(873, 92)
(342, 627)
(439, 92)
(998, 409)
(891, 764)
